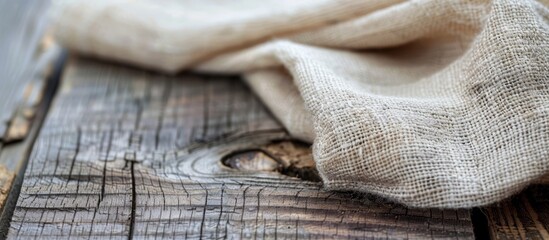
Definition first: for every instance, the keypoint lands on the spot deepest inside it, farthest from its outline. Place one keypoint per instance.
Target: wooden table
(111, 151)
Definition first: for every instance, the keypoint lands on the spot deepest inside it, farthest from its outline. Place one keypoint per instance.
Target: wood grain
(525, 216)
(131, 154)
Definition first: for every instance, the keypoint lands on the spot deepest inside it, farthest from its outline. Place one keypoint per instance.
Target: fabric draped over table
(429, 103)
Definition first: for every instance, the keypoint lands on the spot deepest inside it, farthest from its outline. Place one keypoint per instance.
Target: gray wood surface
(22, 62)
(25, 61)
(129, 154)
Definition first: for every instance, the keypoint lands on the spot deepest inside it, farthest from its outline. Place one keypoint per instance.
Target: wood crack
(134, 203)
(76, 151)
(203, 219)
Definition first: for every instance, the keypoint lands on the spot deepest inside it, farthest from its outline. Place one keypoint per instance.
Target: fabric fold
(428, 103)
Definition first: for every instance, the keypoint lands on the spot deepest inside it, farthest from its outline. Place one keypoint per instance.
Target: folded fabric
(429, 103)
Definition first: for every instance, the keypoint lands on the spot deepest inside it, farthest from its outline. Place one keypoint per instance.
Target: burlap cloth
(431, 103)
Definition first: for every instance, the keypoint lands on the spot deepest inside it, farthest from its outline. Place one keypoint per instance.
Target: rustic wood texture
(26, 59)
(130, 154)
(6, 179)
(525, 216)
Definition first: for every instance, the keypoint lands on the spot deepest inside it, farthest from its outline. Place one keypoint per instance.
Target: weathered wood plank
(14, 156)
(6, 179)
(22, 62)
(525, 216)
(128, 154)
(25, 61)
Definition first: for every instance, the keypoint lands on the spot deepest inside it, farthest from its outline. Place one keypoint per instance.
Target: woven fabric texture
(429, 103)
